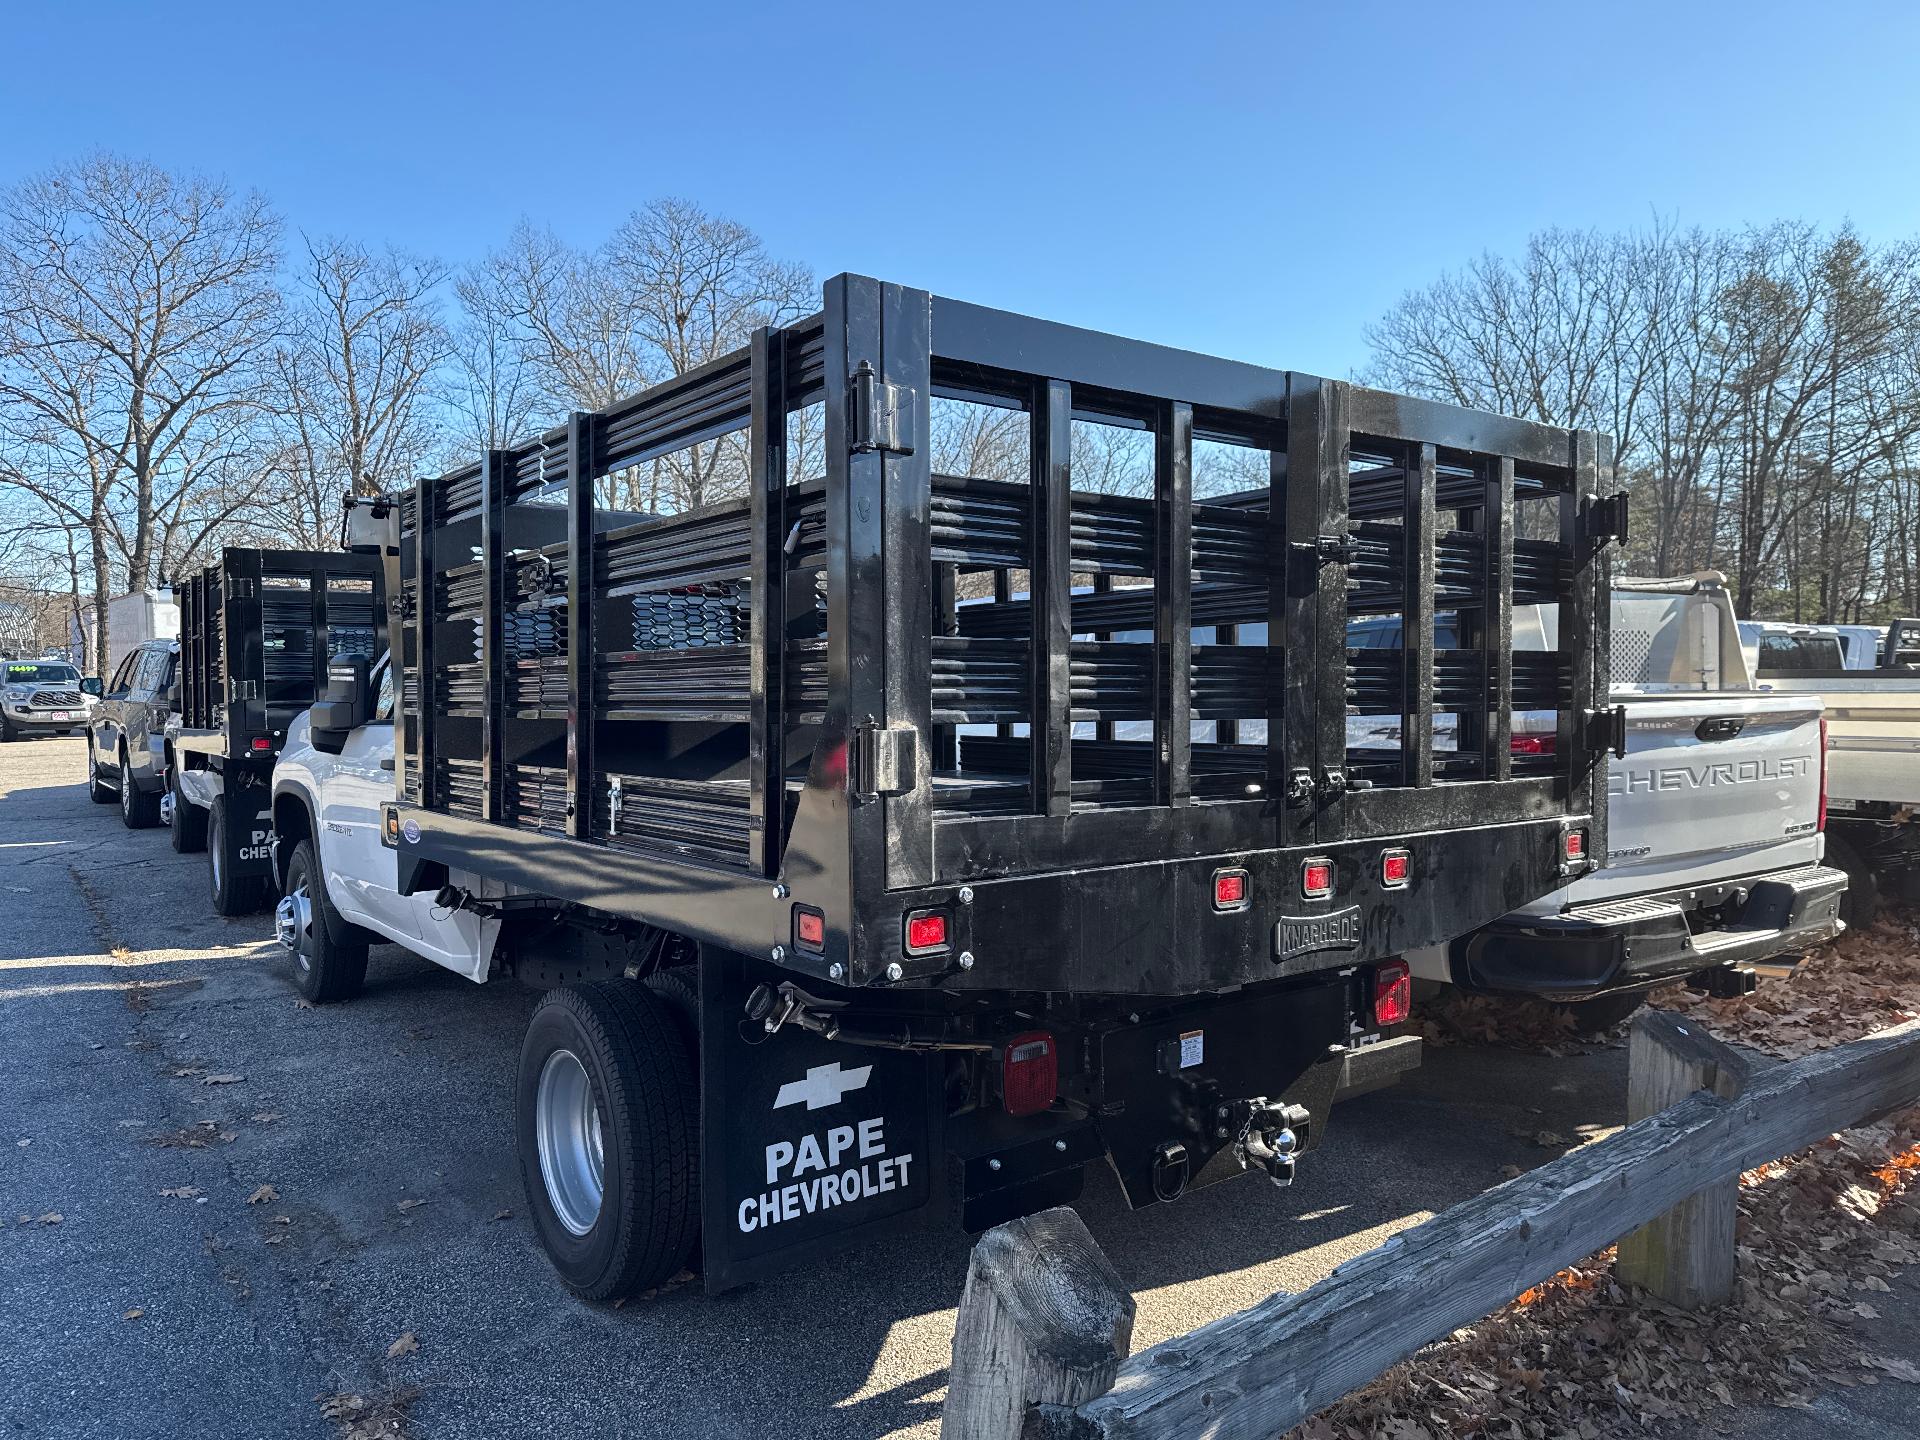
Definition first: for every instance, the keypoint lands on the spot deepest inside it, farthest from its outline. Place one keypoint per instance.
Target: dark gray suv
(126, 758)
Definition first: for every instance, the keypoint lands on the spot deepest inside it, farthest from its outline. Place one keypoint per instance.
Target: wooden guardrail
(1040, 1345)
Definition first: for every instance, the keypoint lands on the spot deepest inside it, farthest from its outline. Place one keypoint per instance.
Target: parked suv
(126, 759)
(43, 697)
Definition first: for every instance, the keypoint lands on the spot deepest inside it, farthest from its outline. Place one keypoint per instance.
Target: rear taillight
(1316, 878)
(1396, 868)
(1392, 993)
(1576, 845)
(809, 928)
(1822, 825)
(260, 743)
(1229, 889)
(926, 931)
(1029, 1073)
(1532, 744)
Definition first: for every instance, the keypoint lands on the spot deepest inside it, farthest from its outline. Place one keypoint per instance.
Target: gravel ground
(384, 1128)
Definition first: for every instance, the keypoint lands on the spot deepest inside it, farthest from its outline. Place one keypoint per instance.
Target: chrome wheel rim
(214, 850)
(566, 1127)
(126, 792)
(293, 925)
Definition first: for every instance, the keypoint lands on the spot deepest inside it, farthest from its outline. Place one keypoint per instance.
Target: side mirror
(173, 696)
(344, 706)
(91, 686)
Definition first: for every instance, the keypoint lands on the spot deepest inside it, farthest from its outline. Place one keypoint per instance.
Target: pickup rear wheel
(329, 964)
(232, 894)
(189, 828)
(607, 1113)
(1603, 1012)
(97, 792)
(1860, 902)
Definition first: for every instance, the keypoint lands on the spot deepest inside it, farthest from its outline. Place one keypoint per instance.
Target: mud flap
(808, 1146)
(249, 831)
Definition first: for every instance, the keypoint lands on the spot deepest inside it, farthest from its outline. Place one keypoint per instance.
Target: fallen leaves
(182, 1192)
(501, 1215)
(133, 1314)
(265, 1195)
(264, 1117)
(409, 1204)
(223, 1080)
(407, 1344)
(360, 1417)
(52, 1217)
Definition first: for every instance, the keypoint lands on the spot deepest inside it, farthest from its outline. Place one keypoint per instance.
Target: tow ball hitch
(1267, 1134)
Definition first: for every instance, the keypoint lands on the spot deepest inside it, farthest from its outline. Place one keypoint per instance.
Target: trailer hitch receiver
(1270, 1137)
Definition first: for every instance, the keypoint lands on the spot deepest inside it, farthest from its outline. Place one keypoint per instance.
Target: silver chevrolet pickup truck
(1715, 830)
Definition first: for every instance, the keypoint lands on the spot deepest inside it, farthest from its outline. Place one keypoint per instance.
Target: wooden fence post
(1686, 1255)
(1044, 1319)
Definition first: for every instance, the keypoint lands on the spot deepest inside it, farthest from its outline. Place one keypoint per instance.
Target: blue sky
(1258, 181)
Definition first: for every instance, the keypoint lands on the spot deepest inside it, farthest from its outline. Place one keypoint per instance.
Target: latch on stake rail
(882, 417)
(1607, 517)
(1323, 548)
(1607, 730)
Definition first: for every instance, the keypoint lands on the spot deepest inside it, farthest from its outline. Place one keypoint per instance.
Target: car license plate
(63, 715)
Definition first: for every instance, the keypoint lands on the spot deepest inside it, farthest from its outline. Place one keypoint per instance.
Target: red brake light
(1316, 879)
(809, 928)
(1396, 867)
(1230, 890)
(1576, 844)
(1532, 744)
(1392, 993)
(261, 742)
(926, 930)
(1029, 1073)
(1822, 825)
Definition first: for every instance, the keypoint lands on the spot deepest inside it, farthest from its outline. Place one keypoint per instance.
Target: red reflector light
(1392, 993)
(261, 742)
(1396, 867)
(926, 930)
(1230, 890)
(1316, 879)
(1532, 744)
(1822, 822)
(1029, 1073)
(809, 928)
(1576, 844)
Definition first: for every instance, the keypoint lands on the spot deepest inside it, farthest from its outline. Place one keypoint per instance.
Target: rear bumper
(1610, 945)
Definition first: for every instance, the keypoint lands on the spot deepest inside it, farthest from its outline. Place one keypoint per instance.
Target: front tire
(189, 828)
(329, 953)
(138, 810)
(607, 1108)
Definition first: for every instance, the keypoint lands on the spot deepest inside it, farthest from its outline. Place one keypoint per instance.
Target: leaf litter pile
(1820, 1236)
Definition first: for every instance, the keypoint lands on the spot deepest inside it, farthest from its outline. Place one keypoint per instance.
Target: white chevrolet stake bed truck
(1715, 841)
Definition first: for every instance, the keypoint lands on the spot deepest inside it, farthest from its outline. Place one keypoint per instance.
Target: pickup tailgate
(1714, 785)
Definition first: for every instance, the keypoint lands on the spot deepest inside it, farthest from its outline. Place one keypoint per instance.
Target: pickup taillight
(1823, 774)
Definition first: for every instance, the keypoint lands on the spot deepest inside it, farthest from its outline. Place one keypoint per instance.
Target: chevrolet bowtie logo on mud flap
(825, 1085)
(1297, 934)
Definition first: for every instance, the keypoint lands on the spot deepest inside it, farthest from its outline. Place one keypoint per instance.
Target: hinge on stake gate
(1607, 730)
(882, 417)
(613, 806)
(1323, 548)
(1607, 519)
(885, 762)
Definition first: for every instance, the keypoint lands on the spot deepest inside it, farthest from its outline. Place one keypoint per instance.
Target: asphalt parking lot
(148, 1047)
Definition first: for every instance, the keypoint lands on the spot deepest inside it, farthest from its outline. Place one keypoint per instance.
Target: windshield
(30, 674)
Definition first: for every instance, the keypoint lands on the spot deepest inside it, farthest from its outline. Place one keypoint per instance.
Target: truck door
(361, 870)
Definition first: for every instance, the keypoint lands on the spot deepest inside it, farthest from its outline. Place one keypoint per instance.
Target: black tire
(98, 793)
(681, 990)
(6, 728)
(189, 828)
(330, 953)
(138, 810)
(1603, 1012)
(232, 894)
(645, 1093)
(1860, 904)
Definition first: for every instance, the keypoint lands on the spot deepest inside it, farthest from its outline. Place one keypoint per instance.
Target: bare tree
(133, 306)
(356, 371)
